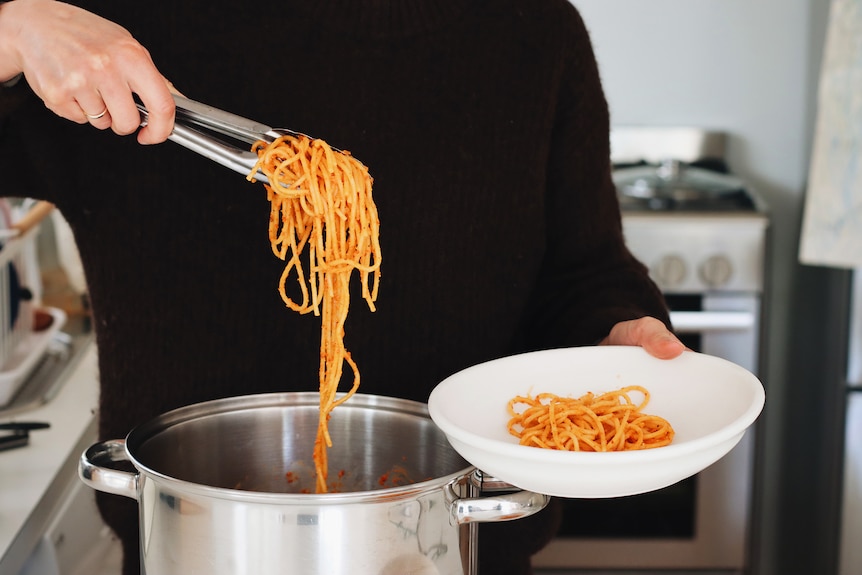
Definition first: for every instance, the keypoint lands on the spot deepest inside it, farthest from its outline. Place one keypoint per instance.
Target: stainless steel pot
(222, 488)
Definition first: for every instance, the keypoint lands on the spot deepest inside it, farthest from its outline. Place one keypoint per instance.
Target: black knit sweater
(486, 131)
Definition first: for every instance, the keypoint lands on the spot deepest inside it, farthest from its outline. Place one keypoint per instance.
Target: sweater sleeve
(16, 169)
(589, 280)
(37, 158)
(14, 164)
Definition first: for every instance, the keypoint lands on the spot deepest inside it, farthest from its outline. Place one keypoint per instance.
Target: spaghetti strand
(321, 205)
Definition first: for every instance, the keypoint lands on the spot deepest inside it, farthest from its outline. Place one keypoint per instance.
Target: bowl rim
(551, 456)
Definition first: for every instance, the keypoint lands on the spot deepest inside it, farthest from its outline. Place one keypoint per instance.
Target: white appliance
(707, 253)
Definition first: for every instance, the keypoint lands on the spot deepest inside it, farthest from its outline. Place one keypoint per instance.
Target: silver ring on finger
(96, 116)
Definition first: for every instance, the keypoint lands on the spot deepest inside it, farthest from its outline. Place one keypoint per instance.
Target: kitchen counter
(35, 479)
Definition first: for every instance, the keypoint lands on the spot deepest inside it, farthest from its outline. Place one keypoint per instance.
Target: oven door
(723, 325)
(701, 523)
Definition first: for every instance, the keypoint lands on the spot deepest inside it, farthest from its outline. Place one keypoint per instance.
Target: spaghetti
(612, 421)
(321, 205)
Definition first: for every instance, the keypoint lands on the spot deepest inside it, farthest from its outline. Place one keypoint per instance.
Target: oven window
(686, 302)
(668, 512)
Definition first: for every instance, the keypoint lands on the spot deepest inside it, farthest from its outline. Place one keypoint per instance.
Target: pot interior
(264, 443)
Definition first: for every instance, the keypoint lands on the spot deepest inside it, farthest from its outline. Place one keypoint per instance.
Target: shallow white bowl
(710, 402)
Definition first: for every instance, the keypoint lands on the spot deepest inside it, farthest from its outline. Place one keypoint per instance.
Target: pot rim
(140, 434)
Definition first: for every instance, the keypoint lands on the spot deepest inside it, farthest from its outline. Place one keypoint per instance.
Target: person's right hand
(84, 67)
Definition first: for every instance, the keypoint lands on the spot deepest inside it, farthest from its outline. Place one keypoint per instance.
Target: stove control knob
(716, 271)
(670, 271)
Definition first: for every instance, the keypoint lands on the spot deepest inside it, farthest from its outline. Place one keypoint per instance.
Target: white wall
(748, 68)
(735, 65)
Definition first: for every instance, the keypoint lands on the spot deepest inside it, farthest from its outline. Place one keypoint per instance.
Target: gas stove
(676, 186)
(697, 227)
(703, 235)
(677, 170)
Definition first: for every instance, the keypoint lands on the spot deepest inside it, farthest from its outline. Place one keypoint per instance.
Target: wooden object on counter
(37, 213)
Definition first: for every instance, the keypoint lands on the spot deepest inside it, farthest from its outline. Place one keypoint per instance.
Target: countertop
(35, 478)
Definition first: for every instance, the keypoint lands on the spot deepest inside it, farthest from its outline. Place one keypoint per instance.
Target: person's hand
(648, 333)
(84, 67)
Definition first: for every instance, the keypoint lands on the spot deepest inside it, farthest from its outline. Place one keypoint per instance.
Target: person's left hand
(648, 333)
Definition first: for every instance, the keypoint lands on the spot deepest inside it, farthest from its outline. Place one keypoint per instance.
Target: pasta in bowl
(709, 402)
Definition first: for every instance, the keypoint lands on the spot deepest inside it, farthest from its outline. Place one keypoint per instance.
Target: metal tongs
(198, 127)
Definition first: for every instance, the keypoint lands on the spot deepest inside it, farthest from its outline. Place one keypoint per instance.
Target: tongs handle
(191, 115)
(221, 121)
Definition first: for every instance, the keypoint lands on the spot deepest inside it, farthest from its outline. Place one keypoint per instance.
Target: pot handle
(498, 508)
(105, 479)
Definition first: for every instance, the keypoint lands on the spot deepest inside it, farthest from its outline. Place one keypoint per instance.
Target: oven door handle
(711, 321)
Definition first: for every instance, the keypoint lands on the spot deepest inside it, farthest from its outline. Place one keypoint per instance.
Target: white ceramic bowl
(710, 402)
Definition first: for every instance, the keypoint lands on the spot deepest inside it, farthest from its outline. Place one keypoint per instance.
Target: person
(484, 126)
